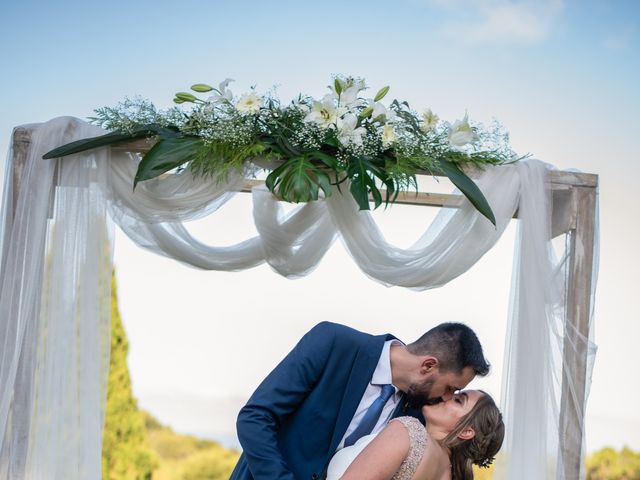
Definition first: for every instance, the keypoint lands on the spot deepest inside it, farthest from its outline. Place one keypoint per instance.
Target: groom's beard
(419, 395)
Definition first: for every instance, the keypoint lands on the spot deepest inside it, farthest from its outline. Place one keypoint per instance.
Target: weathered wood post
(577, 325)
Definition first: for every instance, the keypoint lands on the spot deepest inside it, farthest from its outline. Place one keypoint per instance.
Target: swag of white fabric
(57, 243)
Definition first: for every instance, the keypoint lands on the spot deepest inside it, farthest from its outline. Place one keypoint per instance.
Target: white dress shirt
(381, 376)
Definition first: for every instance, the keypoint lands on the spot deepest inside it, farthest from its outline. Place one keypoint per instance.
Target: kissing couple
(348, 405)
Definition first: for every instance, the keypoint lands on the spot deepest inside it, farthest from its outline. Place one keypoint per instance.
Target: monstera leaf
(298, 180)
(362, 173)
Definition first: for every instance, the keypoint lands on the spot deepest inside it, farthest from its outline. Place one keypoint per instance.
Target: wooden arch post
(582, 243)
(574, 213)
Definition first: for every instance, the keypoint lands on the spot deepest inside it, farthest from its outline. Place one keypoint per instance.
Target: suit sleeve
(280, 394)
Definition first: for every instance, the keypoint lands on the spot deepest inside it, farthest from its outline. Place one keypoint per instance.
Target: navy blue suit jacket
(292, 424)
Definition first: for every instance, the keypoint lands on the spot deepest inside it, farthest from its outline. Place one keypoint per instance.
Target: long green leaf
(468, 188)
(112, 138)
(166, 155)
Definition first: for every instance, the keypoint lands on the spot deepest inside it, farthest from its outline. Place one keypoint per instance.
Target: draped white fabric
(56, 254)
(538, 336)
(55, 305)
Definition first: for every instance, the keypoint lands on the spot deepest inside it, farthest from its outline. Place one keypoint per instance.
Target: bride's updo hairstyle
(486, 421)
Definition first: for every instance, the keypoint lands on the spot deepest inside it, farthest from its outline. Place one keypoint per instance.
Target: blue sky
(560, 75)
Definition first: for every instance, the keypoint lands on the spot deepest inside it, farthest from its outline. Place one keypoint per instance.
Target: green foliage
(363, 173)
(113, 138)
(209, 464)
(185, 457)
(298, 180)
(469, 188)
(217, 159)
(124, 453)
(608, 464)
(166, 155)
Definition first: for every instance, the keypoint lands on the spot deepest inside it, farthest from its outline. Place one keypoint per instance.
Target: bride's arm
(382, 458)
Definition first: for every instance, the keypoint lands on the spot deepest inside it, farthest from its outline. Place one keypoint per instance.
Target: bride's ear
(467, 434)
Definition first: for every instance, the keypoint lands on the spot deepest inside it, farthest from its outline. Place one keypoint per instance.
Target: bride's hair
(486, 421)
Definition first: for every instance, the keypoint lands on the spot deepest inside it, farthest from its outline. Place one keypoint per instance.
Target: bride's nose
(446, 396)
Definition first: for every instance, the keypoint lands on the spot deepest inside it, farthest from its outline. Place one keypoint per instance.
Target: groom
(339, 384)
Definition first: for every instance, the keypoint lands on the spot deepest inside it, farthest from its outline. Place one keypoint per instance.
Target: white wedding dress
(344, 457)
(417, 443)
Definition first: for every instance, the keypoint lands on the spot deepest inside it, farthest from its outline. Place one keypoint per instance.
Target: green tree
(608, 464)
(125, 455)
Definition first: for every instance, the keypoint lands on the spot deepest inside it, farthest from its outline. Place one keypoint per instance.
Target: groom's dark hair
(455, 346)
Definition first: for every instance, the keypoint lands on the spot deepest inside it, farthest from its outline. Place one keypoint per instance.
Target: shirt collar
(382, 373)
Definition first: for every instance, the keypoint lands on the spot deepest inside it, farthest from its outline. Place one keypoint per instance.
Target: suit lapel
(402, 406)
(361, 373)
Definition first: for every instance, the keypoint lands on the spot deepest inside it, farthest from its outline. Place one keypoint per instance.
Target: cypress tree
(124, 453)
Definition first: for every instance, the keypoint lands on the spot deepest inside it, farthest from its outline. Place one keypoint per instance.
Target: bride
(466, 430)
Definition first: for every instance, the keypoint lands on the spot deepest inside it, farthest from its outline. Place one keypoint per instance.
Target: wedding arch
(55, 271)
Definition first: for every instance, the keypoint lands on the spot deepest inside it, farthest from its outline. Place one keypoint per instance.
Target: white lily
(349, 96)
(348, 133)
(330, 97)
(323, 113)
(388, 135)
(430, 120)
(350, 89)
(461, 133)
(223, 94)
(249, 103)
(379, 110)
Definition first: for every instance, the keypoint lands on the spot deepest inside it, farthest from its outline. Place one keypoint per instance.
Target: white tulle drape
(55, 284)
(56, 254)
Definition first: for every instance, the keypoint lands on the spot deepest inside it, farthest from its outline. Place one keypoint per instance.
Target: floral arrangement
(309, 145)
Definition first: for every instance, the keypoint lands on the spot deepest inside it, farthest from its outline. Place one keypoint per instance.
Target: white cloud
(499, 21)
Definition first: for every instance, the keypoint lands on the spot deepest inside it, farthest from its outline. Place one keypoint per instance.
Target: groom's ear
(429, 364)
(467, 434)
